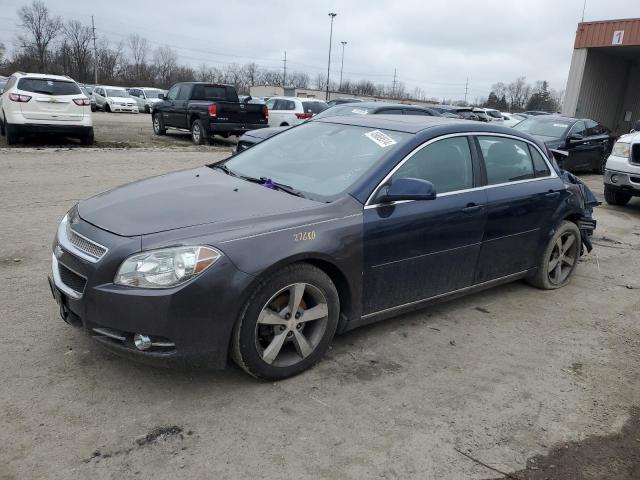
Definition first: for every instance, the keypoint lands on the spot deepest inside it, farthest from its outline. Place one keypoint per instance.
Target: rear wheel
(2, 129)
(287, 324)
(10, 132)
(88, 139)
(559, 259)
(158, 125)
(199, 133)
(93, 107)
(614, 197)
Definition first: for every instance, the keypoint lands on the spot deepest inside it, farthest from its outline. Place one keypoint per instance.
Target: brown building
(604, 77)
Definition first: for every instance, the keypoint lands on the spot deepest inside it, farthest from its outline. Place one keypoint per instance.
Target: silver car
(146, 97)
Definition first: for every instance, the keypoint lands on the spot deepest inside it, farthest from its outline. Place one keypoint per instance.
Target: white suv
(41, 103)
(114, 99)
(622, 171)
(289, 111)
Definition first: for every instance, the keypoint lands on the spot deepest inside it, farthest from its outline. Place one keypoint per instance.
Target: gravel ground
(539, 384)
(122, 130)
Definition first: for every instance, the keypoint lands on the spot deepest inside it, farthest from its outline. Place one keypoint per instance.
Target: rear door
(415, 250)
(52, 100)
(520, 199)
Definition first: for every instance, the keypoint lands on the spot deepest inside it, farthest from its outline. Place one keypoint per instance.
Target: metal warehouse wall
(632, 98)
(599, 34)
(603, 86)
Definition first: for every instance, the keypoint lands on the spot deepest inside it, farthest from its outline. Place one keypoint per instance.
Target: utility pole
(393, 89)
(284, 76)
(341, 65)
(466, 90)
(95, 53)
(584, 7)
(332, 16)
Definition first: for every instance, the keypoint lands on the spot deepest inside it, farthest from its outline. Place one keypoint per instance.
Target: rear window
(314, 107)
(48, 86)
(494, 113)
(214, 92)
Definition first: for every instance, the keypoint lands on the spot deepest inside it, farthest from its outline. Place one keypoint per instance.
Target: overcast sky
(434, 44)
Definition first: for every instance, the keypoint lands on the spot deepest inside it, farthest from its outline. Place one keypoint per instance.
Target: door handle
(551, 195)
(472, 208)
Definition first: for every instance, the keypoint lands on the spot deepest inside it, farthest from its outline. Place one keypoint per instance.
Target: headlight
(165, 268)
(621, 149)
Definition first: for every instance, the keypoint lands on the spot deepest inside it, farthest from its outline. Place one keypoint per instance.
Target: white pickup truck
(622, 171)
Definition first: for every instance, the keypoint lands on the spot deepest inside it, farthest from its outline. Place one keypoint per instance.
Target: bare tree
(110, 62)
(166, 61)
(40, 29)
(2, 52)
(518, 93)
(139, 47)
(78, 42)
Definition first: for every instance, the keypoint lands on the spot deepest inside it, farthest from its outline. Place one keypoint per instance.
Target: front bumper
(622, 181)
(123, 108)
(191, 324)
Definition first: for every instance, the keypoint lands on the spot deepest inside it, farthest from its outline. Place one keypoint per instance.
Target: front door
(583, 150)
(416, 250)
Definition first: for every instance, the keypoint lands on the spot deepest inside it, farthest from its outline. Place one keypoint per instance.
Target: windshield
(344, 109)
(49, 87)
(321, 160)
(117, 93)
(494, 113)
(152, 93)
(544, 127)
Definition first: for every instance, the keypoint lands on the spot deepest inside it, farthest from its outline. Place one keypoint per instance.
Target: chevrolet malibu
(333, 224)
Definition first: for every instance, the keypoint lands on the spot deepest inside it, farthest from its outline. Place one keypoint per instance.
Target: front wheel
(158, 125)
(287, 324)
(558, 262)
(614, 197)
(107, 108)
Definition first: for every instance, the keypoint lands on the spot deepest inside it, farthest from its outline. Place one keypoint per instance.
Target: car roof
(399, 123)
(556, 117)
(302, 99)
(384, 105)
(43, 75)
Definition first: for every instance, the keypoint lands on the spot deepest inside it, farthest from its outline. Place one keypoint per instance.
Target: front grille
(635, 179)
(71, 279)
(635, 153)
(85, 245)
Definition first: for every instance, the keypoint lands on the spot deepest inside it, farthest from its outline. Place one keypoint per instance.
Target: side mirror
(408, 189)
(576, 137)
(162, 96)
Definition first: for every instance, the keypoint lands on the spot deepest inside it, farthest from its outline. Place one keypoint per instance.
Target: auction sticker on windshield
(359, 111)
(382, 139)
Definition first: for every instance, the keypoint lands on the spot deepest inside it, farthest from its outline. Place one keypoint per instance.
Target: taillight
(265, 111)
(304, 116)
(19, 98)
(213, 110)
(83, 102)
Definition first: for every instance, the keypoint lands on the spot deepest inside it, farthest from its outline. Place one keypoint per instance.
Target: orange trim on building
(601, 34)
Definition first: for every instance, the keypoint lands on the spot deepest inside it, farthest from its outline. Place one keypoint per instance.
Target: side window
(183, 93)
(445, 163)
(289, 105)
(539, 165)
(506, 160)
(10, 83)
(578, 129)
(279, 105)
(270, 103)
(592, 128)
(390, 111)
(173, 92)
(415, 111)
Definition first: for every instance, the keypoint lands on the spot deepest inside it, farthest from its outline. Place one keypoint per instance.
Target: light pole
(341, 65)
(332, 16)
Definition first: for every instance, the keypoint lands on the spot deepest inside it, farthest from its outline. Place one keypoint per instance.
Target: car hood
(185, 199)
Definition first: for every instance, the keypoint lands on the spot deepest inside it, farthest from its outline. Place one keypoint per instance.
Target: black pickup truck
(207, 109)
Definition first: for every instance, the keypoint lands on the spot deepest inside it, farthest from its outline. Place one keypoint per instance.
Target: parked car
(511, 119)
(289, 111)
(587, 142)
(36, 103)
(493, 115)
(328, 226)
(481, 114)
(92, 100)
(146, 98)
(463, 112)
(364, 108)
(622, 170)
(114, 99)
(207, 109)
(340, 101)
(535, 113)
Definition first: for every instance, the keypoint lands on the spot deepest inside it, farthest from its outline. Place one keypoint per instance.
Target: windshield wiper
(225, 169)
(264, 181)
(282, 187)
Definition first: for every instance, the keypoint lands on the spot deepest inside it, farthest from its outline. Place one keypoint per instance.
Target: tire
(158, 124)
(558, 262)
(599, 168)
(147, 109)
(199, 133)
(2, 129)
(93, 108)
(279, 346)
(107, 108)
(88, 139)
(614, 197)
(12, 136)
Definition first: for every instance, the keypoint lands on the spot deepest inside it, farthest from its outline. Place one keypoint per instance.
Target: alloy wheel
(195, 132)
(156, 124)
(291, 324)
(563, 258)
